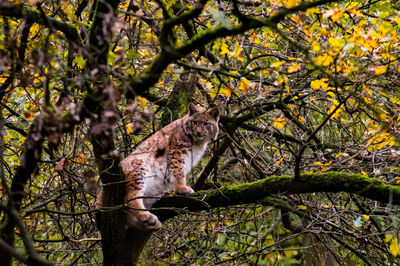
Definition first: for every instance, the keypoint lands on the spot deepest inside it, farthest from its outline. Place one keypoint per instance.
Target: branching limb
(142, 82)
(307, 183)
(17, 11)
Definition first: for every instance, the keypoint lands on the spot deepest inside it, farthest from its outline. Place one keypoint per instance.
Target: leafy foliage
(306, 87)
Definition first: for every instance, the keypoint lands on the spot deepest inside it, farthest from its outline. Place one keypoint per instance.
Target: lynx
(160, 163)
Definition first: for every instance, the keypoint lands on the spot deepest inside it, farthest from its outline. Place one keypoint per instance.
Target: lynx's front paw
(184, 190)
(144, 221)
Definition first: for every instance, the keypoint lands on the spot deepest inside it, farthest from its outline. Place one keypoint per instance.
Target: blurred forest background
(305, 171)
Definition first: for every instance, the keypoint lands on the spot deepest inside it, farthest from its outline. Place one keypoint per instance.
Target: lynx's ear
(192, 109)
(214, 112)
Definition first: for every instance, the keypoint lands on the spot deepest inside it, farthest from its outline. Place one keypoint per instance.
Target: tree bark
(281, 185)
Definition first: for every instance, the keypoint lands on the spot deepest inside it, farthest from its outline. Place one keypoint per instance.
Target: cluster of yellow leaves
(293, 67)
(280, 122)
(129, 128)
(222, 90)
(291, 3)
(244, 85)
(394, 245)
(81, 158)
(298, 116)
(368, 36)
(323, 60)
(334, 14)
(319, 84)
(324, 166)
(143, 103)
(380, 69)
(335, 103)
(227, 91)
(29, 110)
(223, 48)
(380, 140)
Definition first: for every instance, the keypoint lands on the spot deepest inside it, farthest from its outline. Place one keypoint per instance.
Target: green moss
(307, 183)
(179, 98)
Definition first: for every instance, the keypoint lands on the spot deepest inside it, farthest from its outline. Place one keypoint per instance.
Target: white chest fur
(192, 158)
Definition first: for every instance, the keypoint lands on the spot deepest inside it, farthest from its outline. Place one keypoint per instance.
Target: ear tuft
(214, 112)
(192, 109)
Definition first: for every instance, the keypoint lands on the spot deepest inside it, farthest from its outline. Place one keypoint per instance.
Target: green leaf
(79, 61)
(222, 19)
(358, 222)
(131, 55)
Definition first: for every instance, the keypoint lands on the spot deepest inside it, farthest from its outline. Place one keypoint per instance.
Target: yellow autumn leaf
(297, 19)
(316, 47)
(395, 100)
(293, 67)
(366, 217)
(388, 238)
(237, 53)
(277, 64)
(381, 69)
(338, 155)
(355, 12)
(337, 15)
(363, 173)
(336, 42)
(326, 165)
(394, 247)
(142, 102)
(319, 84)
(280, 160)
(224, 49)
(299, 117)
(337, 112)
(265, 71)
(81, 158)
(129, 128)
(216, 45)
(381, 140)
(244, 85)
(291, 3)
(226, 91)
(280, 122)
(323, 60)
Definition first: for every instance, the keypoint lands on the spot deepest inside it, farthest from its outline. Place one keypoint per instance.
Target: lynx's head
(202, 125)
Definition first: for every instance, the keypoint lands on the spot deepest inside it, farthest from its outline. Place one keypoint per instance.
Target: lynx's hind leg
(138, 216)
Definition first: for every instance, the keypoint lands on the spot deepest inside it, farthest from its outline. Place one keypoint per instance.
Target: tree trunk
(134, 243)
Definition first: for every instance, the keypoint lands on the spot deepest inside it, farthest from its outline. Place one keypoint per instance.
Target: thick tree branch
(17, 11)
(285, 185)
(20, 60)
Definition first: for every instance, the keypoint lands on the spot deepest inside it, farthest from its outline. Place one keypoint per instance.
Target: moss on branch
(284, 185)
